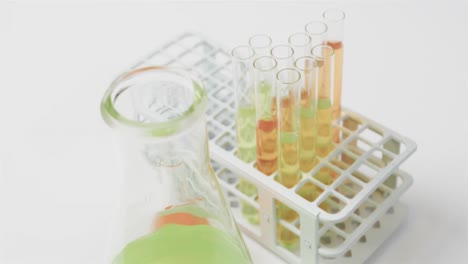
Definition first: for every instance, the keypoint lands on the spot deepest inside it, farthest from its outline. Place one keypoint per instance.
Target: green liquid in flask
(194, 242)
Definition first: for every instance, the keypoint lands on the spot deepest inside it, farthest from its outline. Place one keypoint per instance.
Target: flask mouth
(153, 101)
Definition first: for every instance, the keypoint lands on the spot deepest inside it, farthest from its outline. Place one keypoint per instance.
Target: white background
(405, 66)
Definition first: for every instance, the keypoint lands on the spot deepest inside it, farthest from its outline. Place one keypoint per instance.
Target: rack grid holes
(365, 209)
(174, 50)
(379, 159)
(249, 212)
(224, 94)
(210, 86)
(285, 238)
(331, 239)
(342, 160)
(394, 146)
(212, 108)
(213, 130)
(379, 195)
(358, 147)
(351, 124)
(371, 134)
(190, 58)
(205, 66)
(364, 172)
(223, 75)
(326, 175)
(349, 225)
(221, 57)
(203, 48)
(215, 165)
(228, 176)
(393, 182)
(348, 188)
(189, 40)
(332, 204)
(225, 117)
(226, 142)
(309, 191)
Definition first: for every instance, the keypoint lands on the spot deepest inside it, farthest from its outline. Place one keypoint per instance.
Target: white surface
(405, 66)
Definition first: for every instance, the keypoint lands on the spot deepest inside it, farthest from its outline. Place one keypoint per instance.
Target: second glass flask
(172, 209)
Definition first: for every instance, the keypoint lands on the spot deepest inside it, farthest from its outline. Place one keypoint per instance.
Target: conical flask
(172, 210)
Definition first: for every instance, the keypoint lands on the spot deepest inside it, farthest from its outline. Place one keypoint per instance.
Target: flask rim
(116, 119)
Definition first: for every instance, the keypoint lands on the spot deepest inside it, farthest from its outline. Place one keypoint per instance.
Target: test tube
(266, 115)
(317, 31)
(334, 18)
(284, 55)
(261, 43)
(242, 58)
(307, 66)
(288, 103)
(301, 43)
(325, 56)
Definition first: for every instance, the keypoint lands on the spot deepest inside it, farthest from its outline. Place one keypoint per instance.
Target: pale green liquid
(181, 244)
(245, 130)
(246, 151)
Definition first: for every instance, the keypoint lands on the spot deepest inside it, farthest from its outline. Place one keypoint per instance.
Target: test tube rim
(300, 33)
(317, 22)
(338, 19)
(323, 46)
(282, 45)
(260, 35)
(289, 82)
(304, 57)
(243, 58)
(275, 63)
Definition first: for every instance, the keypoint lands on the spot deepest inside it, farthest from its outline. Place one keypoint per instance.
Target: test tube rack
(364, 195)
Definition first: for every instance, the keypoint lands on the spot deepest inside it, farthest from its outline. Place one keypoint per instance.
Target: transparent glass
(288, 104)
(284, 56)
(301, 43)
(172, 209)
(325, 57)
(266, 115)
(307, 66)
(317, 31)
(242, 63)
(261, 43)
(334, 18)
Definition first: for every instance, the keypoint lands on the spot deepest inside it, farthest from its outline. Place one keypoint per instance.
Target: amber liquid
(267, 145)
(338, 78)
(289, 173)
(308, 132)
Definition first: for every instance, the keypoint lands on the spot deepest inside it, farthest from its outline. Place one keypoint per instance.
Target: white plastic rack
(363, 208)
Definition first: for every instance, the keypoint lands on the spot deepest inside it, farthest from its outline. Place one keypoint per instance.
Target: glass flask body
(172, 209)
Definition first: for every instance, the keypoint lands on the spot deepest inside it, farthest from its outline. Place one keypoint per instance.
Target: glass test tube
(242, 58)
(284, 55)
(261, 43)
(301, 43)
(324, 55)
(307, 66)
(317, 31)
(288, 104)
(266, 116)
(334, 18)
